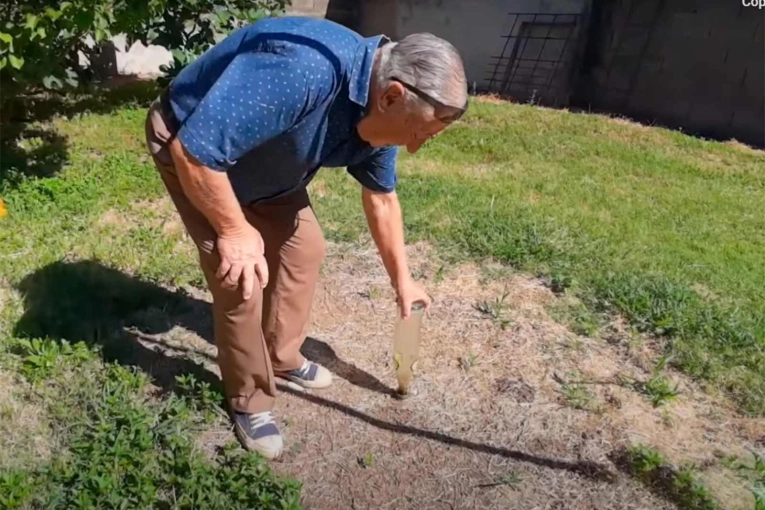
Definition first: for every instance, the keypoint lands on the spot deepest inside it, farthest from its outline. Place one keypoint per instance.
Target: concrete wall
(378, 17)
(140, 60)
(143, 61)
(475, 27)
(344, 12)
(700, 66)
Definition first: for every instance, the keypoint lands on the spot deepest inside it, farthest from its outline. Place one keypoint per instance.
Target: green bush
(188, 28)
(40, 40)
(126, 449)
(679, 485)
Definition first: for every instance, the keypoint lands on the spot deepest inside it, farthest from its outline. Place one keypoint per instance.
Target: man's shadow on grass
(86, 301)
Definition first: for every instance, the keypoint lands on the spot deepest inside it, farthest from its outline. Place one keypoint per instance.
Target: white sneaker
(310, 375)
(258, 432)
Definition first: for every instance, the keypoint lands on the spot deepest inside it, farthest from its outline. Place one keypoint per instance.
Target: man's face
(416, 130)
(394, 124)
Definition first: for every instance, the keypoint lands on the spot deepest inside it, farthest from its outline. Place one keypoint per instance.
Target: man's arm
(210, 191)
(385, 220)
(236, 115)
(239, 244)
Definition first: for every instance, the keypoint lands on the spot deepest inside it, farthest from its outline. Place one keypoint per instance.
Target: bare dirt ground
(490, 426)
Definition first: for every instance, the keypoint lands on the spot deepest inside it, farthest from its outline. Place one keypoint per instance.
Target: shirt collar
(361, 74)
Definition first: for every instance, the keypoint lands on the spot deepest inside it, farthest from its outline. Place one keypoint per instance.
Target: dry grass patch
(114, 218)
(493, 424)
(154, 214)
(727, 487)
(25, 434)
(159, 213)
(439, 168)
(739, 146)
(489, 98)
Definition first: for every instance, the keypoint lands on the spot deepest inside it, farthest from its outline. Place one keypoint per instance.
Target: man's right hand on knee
(242, 260)
(239, 244)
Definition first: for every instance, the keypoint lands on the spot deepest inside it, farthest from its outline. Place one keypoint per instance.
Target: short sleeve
(258, 97)
(378, 171)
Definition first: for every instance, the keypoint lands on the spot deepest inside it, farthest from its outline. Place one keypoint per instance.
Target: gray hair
(427, 62)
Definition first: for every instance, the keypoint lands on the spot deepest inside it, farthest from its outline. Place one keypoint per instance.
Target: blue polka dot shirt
(277, 100)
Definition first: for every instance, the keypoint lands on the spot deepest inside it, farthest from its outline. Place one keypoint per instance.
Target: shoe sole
(312, 385)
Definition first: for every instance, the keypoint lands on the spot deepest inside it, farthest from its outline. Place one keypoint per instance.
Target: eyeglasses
(447, 115)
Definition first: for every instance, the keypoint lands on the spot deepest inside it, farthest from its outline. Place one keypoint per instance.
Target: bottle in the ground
(406, 346)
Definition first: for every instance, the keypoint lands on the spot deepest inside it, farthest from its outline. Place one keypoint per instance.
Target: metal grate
(537, 57)
(622, 55)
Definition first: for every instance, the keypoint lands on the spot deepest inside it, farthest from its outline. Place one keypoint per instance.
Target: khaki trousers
(263, 335)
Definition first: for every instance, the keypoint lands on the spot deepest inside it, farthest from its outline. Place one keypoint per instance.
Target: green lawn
(81, 256)
(666, 229)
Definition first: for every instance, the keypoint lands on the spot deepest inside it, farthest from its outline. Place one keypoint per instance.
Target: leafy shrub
(658, 388)
(126, 449)
(188, 28)
(679, 485)
(43, 357)
(41, 41)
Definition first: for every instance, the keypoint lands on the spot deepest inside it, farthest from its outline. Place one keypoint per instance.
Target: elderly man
(237, 137)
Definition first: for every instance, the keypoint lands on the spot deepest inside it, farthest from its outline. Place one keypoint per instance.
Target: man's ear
(393, 94)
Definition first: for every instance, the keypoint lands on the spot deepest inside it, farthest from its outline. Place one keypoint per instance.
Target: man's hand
(408, 293)
(241, 258)
(383, 213)
(239, 244)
